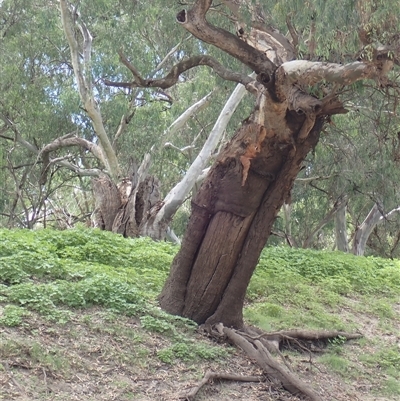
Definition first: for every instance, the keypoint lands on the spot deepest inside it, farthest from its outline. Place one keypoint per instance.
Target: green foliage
(186, 350)
(304, 288)
(48, 271)
(391, 387)
(336, 271)
(156, 325)
(44, 270)
(12, 315)
(386, 358)
(53, 272)
(34, 352)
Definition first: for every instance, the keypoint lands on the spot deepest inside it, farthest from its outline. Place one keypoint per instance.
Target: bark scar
(252, 150)
(307, 126)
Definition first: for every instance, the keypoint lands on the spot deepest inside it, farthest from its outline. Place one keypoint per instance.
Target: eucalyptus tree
(297, 91)
(63, 127)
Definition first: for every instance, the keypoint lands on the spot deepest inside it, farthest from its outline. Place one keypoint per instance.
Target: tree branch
(62, 142)
(172, 77)
(177, 195)
(374, 217)
(311, 72)
(272, 43)
(194, 21)
(83, 78)
(187, 114)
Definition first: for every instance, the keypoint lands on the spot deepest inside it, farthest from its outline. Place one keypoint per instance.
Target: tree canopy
(357, 156)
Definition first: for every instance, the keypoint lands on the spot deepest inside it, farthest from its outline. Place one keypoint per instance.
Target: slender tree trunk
(374, 217)
(231, 220)
(340, 203)
(342, 243)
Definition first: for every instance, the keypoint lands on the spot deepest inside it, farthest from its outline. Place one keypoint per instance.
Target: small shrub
(12, 315)
(156, 324)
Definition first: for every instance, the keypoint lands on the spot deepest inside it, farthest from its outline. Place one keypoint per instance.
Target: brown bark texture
(125, 208)
(232, 216)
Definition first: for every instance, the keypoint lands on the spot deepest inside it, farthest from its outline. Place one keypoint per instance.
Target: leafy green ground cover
(92, 296)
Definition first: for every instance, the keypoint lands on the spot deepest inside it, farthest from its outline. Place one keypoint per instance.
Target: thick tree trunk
(231, 219)
(126, 208)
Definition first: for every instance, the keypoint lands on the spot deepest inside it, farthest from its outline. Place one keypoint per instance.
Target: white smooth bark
(188, 113)
(178, 194)
(374, 217)
(312, 72)
(83, 79)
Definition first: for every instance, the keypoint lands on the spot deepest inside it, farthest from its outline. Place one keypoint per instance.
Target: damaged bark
(232, 216)
(127, 207)
(233, 212)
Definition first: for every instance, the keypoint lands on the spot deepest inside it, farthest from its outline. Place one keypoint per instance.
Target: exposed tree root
(209, 376)
(260, 346)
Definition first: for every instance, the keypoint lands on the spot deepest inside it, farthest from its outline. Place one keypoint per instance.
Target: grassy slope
(79, 320)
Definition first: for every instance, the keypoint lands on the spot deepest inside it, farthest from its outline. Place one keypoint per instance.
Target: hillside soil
(100, 356)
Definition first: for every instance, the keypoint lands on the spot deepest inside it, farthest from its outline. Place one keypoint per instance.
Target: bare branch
(172, 77)
(33, 149)
(293, 33)
(375, 216)
(311, 42)
(316, 178)
(83, 78)
(67, 140)
(311, 72)
(194, 21)
(188, 113)
(62, 142)
(210, 376)
(178, 194)
(271, 42)
(172, 51)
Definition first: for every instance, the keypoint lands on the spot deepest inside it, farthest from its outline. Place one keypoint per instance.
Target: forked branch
(173, 76)
(194, 21)
(63, 142)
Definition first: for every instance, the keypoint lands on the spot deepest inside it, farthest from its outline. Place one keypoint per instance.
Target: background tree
(64, 144)
(354, 168)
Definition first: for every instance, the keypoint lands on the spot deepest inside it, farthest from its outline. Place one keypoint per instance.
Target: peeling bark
(231, 222)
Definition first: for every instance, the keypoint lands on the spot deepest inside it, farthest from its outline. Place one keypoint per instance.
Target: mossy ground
(79, 321)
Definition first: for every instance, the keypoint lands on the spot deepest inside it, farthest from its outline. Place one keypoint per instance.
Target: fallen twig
(12, 378)
(209, 376)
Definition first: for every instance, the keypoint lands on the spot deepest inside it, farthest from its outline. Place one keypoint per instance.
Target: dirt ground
(91, 359)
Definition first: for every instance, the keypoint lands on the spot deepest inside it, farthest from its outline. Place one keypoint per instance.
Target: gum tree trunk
(231, 220)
